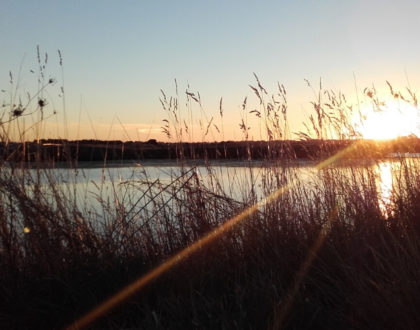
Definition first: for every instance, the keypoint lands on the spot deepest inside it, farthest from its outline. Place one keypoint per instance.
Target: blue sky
(119, 54)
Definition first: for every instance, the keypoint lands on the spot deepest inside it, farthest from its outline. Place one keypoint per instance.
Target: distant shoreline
(90, 151)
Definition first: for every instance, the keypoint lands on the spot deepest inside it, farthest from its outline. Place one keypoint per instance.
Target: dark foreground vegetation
(322, 255)
(326, 253)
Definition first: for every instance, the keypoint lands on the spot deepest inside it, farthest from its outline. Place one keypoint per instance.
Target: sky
(119, 55)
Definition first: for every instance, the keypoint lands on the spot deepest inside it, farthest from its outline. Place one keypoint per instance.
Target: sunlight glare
(395, 119)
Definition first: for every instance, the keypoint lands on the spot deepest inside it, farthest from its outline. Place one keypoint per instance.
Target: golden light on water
(393, 120)
(384, 171)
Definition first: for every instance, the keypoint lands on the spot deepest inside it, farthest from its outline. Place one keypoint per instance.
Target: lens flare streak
(144, 280)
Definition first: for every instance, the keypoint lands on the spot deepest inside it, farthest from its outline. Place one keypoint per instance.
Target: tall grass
(324, 254)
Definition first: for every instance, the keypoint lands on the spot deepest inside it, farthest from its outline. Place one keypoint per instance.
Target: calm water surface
(92, 184)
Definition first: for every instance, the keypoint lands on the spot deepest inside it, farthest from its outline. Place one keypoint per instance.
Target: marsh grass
(322, 255)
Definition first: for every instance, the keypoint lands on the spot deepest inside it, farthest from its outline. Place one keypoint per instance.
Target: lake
(135, 185)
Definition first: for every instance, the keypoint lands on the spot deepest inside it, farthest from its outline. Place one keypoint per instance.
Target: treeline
(58, 150)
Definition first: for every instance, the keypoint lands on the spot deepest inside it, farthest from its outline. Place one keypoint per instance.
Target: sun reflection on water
(385, 188)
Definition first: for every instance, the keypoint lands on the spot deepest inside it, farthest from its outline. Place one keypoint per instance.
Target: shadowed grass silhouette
(136, 286)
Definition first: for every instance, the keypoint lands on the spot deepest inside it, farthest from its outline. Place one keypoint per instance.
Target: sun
(393, 120)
